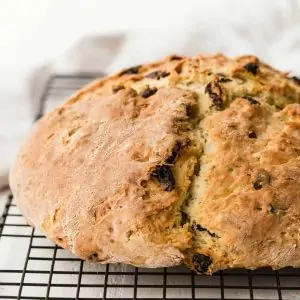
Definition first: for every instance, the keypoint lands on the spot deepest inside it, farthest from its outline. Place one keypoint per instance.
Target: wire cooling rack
(32, 267)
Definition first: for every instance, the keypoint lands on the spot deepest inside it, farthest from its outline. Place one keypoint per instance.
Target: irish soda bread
(193, 160)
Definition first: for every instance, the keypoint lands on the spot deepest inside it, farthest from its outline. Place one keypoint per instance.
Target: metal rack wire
(42, 270)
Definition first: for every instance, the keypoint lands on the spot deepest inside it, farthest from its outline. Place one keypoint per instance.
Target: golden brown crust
(249, 190)
(112, 174)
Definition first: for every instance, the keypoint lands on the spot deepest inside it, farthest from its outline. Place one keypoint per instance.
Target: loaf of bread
(186, 160)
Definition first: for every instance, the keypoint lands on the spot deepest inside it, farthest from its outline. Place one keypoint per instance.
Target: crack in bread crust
(114, 173)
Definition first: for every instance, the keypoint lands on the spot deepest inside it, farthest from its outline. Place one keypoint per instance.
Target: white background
(39, 37)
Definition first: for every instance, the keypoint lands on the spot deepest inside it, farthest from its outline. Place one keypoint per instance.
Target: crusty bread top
(113, 174)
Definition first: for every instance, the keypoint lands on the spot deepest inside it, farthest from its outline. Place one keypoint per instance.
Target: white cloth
(43, 37)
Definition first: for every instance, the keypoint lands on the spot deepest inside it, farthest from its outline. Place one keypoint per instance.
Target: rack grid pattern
(42, 270)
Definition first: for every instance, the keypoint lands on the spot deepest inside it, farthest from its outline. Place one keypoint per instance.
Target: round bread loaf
(191, 160)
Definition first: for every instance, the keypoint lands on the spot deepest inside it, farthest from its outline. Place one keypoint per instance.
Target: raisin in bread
(192, 160)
